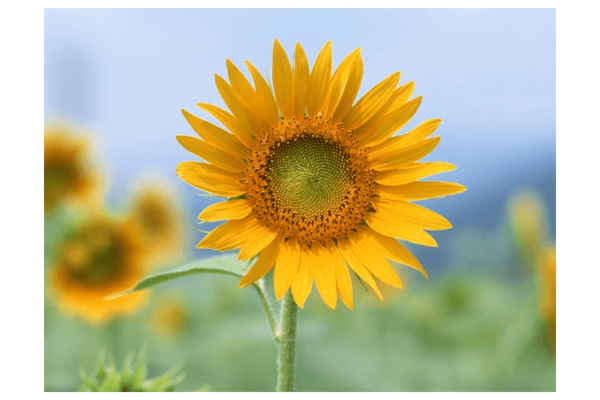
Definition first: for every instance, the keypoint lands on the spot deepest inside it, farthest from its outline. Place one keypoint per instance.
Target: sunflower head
(97, 258)
(67, 169)
(316, 182)
(528, 223)
(547, 278)
(169, 317)
(155, 212)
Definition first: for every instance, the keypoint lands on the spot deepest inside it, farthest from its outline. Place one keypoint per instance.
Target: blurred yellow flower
(528, 223)
(154, 210)
(315, 180)
(547, 274)
(169, 317)
(100, 257)
(68, 171)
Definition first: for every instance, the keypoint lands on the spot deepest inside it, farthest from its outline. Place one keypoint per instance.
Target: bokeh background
(119, 79)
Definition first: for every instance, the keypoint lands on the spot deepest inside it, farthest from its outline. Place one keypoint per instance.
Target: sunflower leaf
(219, 265)
(227, 266)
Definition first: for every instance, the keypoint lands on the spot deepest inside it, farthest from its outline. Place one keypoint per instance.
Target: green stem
(260, 289)
(287, 344)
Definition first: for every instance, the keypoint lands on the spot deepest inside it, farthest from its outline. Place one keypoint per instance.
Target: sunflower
(315, 181)
(169, 318)
(99, 257)
(67, 170)
(528, 224)
(547, 278)
(154, 211)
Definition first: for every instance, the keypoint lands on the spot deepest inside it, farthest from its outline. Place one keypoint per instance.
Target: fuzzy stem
(287, 345)
(260, 289)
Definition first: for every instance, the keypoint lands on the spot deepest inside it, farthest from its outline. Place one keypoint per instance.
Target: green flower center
(310, 180)
(308, 175)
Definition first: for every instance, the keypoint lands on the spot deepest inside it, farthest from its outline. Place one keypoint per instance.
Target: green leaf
(166, 382)
(138, 374)
(217, 265)
(111, 383)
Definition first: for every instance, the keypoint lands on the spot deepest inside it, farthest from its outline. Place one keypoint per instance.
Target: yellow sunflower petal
(411, 173)
(406, 156)
(393, 250)
(302, 284)
(396, 143)
(248, 233)
(240, 84)
(263, 265)
(288, 262)
(211, 179)
(343, 280)
(390, 124)
(192, 167)
(410, 214)
(344, 86)
(319, 81)
(217, 137)
(244, 115)
(403, 232)
(396, 100)
(372, 259)
(238, 127)
(255, 241)
(371, 102)
(265, 96)
(231, 209)
(419, 190)
(250, 98)
(232, 234)
(399, 98)
(212, 154)
(357, 266)
(323, 270)
(300, 85)
(282, 80)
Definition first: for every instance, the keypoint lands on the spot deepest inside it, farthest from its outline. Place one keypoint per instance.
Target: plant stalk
(260, 289)
(287, 344)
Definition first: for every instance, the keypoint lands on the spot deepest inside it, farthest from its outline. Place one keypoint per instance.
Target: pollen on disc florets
(309, 179)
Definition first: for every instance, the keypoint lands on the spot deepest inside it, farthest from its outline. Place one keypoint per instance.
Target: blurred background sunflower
(480, 323)
(156, 212)
(68, 168)
(97, 258)
(169, 317)
(547, 276)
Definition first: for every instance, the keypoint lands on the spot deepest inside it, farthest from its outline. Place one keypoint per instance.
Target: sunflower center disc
(309, 176)
(93, 254)
(310, 180)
